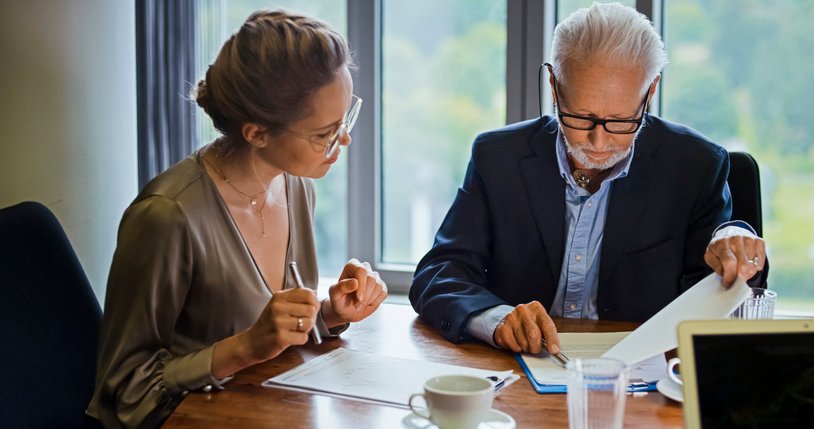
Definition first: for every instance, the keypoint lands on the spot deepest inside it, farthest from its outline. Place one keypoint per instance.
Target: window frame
(364, 161)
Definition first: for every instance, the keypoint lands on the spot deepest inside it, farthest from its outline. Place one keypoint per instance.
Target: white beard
(580, 156)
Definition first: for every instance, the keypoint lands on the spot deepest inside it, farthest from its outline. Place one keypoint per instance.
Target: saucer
(494, 420)
(670, 389)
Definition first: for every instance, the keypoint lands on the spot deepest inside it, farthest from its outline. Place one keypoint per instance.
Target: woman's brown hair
(267, 71)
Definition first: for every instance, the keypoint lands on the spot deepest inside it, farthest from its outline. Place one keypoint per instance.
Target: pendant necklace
(255, 205)
(582, 178)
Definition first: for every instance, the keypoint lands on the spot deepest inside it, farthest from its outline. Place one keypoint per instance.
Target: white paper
(370, 377)
(707, 299)
(589, 345)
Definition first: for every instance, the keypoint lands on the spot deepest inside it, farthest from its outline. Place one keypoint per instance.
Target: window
(443, 82)
(567, 7)
(747, 85)
(219, 19)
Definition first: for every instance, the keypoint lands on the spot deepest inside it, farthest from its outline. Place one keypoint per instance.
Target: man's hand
(735, 252)
(523, 329)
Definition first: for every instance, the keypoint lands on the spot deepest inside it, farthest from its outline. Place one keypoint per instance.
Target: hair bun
(201, 95)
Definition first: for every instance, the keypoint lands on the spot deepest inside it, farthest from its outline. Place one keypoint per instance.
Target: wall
(68, 117)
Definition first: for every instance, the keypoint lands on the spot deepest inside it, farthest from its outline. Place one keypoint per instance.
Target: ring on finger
(299, 324)
(754, 261)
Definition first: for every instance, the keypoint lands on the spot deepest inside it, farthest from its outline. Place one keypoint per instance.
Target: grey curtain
(165, 60)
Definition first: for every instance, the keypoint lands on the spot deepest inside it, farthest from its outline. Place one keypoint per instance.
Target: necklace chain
(251, 197)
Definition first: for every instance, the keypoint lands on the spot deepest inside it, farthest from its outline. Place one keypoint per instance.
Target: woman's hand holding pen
(356, 295)
(522, 329)
(285, 321)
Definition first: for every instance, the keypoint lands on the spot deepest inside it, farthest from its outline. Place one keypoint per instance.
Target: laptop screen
(755, 380)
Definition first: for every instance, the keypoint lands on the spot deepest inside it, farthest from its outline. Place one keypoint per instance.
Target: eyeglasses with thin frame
(586, 123)
(330, 141)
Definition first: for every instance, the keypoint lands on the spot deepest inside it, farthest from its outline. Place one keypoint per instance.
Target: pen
(298, 281)
(498, 382)
(561, 358)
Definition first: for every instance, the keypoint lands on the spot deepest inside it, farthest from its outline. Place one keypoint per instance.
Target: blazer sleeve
(450, 282)
(139, 380)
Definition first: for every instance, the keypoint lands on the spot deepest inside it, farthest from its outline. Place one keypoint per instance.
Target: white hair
(608, 34)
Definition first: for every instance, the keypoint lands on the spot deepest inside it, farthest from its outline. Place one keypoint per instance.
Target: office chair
(49, 323)
(744, 184)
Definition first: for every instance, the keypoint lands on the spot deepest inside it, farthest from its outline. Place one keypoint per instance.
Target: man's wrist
(733, 227)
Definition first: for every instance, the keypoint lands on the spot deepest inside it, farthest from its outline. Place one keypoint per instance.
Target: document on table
(369, 377)
(548, 376)
(707, 299)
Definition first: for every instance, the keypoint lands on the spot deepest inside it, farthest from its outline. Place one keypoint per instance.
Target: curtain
(165, 60)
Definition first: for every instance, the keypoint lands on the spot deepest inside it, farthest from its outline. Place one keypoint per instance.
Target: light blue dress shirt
(585, 227)
(579, 277)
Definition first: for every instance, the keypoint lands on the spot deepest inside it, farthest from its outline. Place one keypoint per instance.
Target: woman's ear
(254, 134)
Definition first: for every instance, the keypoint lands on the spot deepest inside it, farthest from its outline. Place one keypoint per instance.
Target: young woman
(199, 287)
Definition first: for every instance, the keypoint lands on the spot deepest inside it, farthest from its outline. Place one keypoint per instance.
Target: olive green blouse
(182, 278)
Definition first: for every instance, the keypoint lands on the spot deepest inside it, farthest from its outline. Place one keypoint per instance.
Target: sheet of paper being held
(707, 299)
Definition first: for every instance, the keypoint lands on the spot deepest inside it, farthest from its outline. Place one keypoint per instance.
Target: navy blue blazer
(502, 241)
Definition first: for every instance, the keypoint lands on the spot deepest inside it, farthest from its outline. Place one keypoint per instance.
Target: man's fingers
(533, 336)
(736, 256)
(713, 261)
(549, 333)
(519, 334)
(729, 264)
(504, 337)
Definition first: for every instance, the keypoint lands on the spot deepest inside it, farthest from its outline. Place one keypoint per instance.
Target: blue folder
(561, 388)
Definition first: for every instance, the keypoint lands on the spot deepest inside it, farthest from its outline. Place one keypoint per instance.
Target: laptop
(747, 373)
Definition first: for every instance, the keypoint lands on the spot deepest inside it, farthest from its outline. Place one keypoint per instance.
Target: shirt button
(590, 204)
(572, 307)
(578, 258)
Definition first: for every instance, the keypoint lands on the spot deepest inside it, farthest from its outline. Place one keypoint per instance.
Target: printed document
(369, 377)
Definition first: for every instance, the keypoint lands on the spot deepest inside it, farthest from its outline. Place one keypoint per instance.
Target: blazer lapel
(628, 199)
(546, 193)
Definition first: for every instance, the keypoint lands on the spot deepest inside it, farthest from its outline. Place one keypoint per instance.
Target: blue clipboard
(561, 388)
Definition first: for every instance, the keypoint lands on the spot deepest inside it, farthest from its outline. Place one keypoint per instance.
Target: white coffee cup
(455, 401)
(671, 364)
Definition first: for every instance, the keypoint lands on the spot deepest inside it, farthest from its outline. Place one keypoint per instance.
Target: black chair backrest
(49, 323)
(744, 184)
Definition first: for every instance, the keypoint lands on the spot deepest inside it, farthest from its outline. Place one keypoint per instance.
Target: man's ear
(654, 85)
(254, 134)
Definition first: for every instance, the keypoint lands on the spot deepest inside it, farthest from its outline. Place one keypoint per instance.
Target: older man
(601, 212)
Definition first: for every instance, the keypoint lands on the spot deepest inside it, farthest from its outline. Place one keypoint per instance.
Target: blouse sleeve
(139, 381)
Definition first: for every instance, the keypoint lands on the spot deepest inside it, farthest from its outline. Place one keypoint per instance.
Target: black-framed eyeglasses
(331, 141)
(586, 123)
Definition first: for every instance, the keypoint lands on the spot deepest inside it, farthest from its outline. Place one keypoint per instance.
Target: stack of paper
(548, 376)
(373, 378)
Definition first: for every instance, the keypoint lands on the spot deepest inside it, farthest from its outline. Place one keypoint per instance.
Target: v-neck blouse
(182, 278)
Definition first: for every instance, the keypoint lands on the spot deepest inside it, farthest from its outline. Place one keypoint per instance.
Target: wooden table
(395, 330)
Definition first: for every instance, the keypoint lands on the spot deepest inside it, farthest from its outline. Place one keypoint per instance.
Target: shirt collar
(618, 171)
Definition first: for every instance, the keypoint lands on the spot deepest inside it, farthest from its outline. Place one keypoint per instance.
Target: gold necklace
(252, 198)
